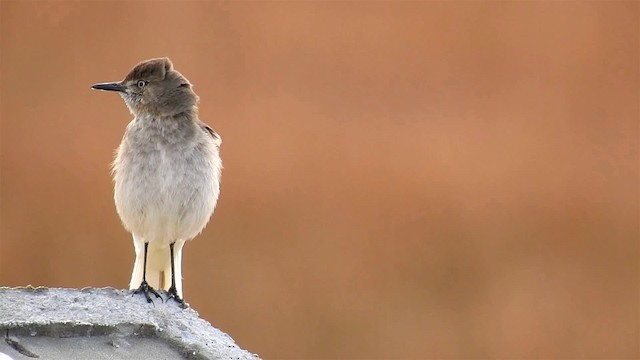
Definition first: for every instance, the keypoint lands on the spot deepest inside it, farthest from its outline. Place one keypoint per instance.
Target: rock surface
(105, 323)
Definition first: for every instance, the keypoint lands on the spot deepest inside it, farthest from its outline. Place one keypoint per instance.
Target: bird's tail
(138, 265)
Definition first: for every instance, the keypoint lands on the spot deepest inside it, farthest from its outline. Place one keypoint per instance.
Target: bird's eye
(141, 83)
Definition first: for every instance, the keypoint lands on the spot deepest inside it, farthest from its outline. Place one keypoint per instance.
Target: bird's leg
(144, 286)
(173, 292)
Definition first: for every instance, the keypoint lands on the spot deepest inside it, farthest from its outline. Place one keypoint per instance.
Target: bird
(166, 173)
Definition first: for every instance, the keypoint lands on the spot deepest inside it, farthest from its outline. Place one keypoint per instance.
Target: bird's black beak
(109, 87)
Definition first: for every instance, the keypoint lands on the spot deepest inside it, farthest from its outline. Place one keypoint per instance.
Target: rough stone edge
(182, 329)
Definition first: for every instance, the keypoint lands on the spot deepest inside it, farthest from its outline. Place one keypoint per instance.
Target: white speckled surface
(127, 322)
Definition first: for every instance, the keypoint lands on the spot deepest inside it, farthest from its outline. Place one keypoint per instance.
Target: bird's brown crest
(153, 69)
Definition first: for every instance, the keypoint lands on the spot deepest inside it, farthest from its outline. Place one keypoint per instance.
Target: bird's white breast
(166, 185)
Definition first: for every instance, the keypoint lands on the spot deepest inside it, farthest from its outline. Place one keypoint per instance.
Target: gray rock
(107, 323)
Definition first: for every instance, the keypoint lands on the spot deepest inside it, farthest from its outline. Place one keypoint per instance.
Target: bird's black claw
(172, 293)
(146, 289)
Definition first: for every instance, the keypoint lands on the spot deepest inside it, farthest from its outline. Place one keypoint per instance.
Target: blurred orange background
(402, 179)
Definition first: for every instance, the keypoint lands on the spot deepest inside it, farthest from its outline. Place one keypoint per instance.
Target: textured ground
(105, 324)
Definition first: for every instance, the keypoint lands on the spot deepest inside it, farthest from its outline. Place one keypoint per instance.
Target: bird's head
(154, 88)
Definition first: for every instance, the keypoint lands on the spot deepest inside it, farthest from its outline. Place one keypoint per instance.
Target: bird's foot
(172, 293)
(146, 289)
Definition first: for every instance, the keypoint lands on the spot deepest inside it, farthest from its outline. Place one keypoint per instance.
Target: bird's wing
(206, 128)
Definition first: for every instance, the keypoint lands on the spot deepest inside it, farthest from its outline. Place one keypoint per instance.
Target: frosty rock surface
(105, 323)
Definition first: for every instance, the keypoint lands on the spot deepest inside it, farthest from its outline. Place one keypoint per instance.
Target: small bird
(166, 172)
